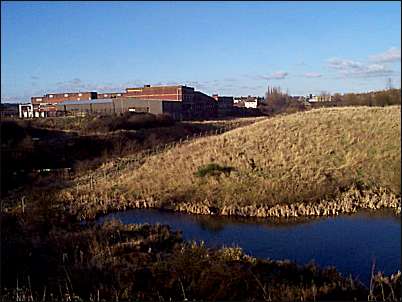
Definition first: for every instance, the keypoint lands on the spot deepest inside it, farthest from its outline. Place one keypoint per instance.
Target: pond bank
(346, 202)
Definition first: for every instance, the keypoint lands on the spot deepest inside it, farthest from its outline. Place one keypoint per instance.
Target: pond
(350, 243)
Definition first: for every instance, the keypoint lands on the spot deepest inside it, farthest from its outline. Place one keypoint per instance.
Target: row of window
(105, 95)
(66, 95)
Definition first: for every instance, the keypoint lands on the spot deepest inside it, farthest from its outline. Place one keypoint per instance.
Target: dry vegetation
(48, 255)
(98, 124)
(57, 260)
(84, 143)
(304, 157)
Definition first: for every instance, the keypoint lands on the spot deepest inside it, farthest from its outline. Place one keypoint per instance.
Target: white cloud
(343, 64)
(277, 75)
(391, 55)
(349, 68)
(15, 99)
(78, 85)
(312, 75)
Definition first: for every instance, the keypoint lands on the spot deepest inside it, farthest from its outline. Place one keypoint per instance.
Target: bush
(213, 169)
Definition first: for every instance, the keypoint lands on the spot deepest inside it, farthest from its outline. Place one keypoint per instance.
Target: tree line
(278, 101)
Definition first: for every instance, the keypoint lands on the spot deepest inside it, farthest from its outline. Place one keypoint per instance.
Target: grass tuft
(213, 169)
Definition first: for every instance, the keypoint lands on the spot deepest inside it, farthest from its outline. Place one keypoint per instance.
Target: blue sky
(230, 48)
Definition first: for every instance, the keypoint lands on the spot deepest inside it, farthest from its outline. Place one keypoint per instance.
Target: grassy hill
(304, 157)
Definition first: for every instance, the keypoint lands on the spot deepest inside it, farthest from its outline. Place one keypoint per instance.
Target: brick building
(181, 101)
(54, 98)
(109, 95)
(195, 104)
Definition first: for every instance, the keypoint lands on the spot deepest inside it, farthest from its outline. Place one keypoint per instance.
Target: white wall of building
(25, 110)
(251, 104)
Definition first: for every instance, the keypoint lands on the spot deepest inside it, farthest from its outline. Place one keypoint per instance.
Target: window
(39, 100)
(66, 95)
(105, 95)
(80, 94)
(50, 96)
(119, 94)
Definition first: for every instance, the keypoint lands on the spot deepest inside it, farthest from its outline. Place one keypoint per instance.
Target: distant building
(180, 101)
(319, 98)
(224, 105)
(251, 103)
(9, 110)
(120, 105)
(25, 110)
(54, 98)
(109, 95)
(248, 101)
(195, 104)
(297, 98)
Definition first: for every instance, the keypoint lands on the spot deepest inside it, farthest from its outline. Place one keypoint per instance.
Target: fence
(136, 160)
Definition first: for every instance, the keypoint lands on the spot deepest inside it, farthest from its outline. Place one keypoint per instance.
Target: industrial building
(195, 104)
(55, 98)
(120, 105)
(224, 105)
(181, 102)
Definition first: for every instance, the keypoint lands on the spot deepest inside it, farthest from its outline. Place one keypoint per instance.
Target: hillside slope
(304, 157)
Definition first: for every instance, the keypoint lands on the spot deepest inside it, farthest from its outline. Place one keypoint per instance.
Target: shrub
(213, 169)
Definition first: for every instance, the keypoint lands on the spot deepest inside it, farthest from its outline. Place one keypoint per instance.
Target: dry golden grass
(303, 157)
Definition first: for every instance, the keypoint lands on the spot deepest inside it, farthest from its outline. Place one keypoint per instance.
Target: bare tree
(276, 98)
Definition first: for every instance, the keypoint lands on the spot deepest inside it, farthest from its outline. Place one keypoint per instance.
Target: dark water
(350, 243)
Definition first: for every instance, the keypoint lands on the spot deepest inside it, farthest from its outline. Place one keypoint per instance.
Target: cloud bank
(391, 55)
(350, 68)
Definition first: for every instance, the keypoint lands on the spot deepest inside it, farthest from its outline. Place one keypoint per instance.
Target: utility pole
(389, 83)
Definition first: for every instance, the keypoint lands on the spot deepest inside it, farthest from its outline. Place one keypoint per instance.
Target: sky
(230, 48)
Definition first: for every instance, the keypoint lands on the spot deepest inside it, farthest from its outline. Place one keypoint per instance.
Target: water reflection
(348, 242)
(214, 226)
